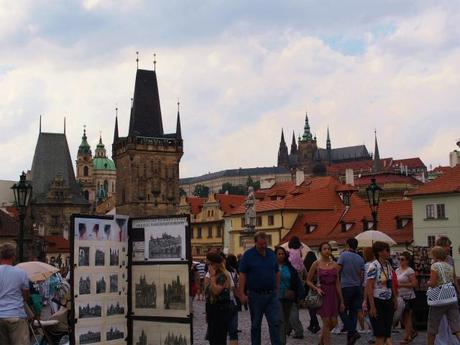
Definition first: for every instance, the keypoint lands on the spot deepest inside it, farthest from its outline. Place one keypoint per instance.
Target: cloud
(241, 75)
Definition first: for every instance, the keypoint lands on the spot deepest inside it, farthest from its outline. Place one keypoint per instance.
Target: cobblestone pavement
(199, 331)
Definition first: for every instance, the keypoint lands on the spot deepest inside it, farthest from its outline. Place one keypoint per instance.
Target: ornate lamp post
(22, 191)
(373, 195)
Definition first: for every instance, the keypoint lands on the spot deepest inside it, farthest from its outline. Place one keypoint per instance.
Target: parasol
(368, 238)
(37, 271)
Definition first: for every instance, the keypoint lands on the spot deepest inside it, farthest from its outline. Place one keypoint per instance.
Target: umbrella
(367, 238)
(304, 249)
(37, 271)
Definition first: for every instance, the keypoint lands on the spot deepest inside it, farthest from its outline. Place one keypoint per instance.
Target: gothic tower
(147, 160)
(377, 163)
(328, 148)
(293, 145)
(283, 155)
(307, 150)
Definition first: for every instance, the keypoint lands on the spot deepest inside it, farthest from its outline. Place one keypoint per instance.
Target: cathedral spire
(115, 132)
(307, 136)
(293, 144)
(178, 127)
(328, 147)
(84, 147)
(283, 155)
(377, 164)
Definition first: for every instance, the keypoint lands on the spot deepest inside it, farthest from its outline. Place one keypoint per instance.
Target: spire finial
(137, 60)
(40, 125)
(116, 111)
(178, 105)
(154, 61)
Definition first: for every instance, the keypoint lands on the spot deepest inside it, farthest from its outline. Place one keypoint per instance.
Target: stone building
(147, 159)
(56, 195)
(96, 175)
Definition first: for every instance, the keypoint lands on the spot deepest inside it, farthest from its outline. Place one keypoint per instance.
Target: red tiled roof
(9, 224)
(411, 163)
(57, 244)
(441, 169)
(329, 223)
(195, 203)
(229, 202)
(364, 166)
(384, 178)
(449, 182)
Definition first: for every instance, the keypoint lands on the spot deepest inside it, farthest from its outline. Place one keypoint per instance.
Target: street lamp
(22, 191)
(373, 195)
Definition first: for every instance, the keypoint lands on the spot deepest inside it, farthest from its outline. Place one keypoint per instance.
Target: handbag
(314, 300)
(443, 294)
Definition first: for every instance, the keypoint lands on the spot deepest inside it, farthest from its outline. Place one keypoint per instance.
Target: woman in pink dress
(324, 278)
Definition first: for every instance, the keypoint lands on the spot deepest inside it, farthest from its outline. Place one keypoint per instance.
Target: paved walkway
(199, 331)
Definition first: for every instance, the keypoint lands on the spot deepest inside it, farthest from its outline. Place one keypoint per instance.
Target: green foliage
(250, 183)
(231, 189)
(182, 192)
(201, 191)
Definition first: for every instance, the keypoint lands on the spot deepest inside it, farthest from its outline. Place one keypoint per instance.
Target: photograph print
(174, 284)
(87, 310)
(114, 256)
(113, 282)
(145, 289)
(146, 333)
(115, 308)
(115, 332)
(161, 333)
(99, 257)
(84, 285)
(101, 283)
(89, 335)
(83, 256)
(164, 238)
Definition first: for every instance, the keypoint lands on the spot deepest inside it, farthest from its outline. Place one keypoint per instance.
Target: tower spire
(377, 164)
(328, 147)
(115, 132)
(293, 144)
(178, 126)
(283, 155)
(307, 136)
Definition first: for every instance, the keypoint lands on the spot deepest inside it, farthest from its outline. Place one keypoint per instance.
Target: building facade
(147, 159)
(436, 210)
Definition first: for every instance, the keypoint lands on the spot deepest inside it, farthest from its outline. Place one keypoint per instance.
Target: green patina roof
(103, 164)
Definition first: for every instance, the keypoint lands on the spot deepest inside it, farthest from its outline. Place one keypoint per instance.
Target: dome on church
(100, 163)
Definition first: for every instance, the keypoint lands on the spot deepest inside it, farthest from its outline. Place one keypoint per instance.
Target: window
(191, 232)
(431, 240)
(219, 231)
(346, 226)
(271, 220)
(198, 235)
(85, 171)
(55, 220)
(86, 194)
(209, 232)
(309, 228)
(259, 221)
(242, 222)
(430, 212)
(113, 187)
(441, 211)
(401, 222)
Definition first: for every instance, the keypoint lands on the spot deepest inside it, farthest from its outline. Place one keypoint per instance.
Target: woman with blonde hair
(441, 273)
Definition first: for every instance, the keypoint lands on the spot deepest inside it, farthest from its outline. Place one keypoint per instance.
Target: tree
(201, 191)
(250, 183)
(231, 189)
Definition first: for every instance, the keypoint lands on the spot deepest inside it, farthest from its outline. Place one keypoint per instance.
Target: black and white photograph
(122, 233)
(164, 238)
(89, 310)
(114, 256)
(161, 333)
(99, 257)
(89, 336)
(113, 278)
(146, 333)
(115, 332)
(83, 256)
(145, 290)
(101, 284)
(174, 294)
(115, 308)
(84, 285)
(108, 232)
(145, 293)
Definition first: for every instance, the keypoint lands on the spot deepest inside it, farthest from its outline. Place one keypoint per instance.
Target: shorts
(435, 315)
(381, 325)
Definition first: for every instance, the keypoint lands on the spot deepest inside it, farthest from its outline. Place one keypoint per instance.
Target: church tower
(307, 155)
(283, 155)
(147, 160)
(85, 168)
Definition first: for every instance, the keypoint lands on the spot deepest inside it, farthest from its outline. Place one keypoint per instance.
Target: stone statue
(250, 213)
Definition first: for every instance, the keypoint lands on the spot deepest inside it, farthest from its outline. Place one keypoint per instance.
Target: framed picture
(89, 310)
(161, 333)
(160, 290)
(89, 335)
(163, 239)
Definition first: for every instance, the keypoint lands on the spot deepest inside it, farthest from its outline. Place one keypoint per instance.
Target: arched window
(86, 194)
(106, 186)
(85, 171)
(113, 187)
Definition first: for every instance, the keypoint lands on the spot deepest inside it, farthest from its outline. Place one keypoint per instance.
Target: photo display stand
(159, 306)
(130, 280)
(99, 279)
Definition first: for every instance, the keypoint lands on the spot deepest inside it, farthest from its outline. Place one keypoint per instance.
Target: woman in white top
(407, 281)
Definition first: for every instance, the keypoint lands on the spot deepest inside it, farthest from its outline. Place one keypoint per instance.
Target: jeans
(233, 324)
(14, 331)
(285, 312)
(294, 321)
(268, 305)
(219, 316)
(353, 299)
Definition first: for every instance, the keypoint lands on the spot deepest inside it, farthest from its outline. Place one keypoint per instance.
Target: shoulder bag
(314, 300)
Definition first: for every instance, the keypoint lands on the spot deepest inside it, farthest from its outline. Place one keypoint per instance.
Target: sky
(242, 70)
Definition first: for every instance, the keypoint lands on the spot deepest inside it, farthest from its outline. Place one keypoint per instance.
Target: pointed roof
(328, 140)
(51, 160)
(293, 144)
(307, 136)
(282, 142)
(84, 148)
(178, 126)
(100, 149)
(115, 132)
(377, 164)
(146, 117)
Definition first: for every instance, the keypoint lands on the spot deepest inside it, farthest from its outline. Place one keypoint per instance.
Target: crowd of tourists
(356, 291)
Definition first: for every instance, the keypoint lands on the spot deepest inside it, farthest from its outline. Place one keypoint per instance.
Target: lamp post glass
(373, 196)
(22, 191)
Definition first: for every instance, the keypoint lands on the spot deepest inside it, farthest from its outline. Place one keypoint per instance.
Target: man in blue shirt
(351, 278)
(260, 277)
(14, 289)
